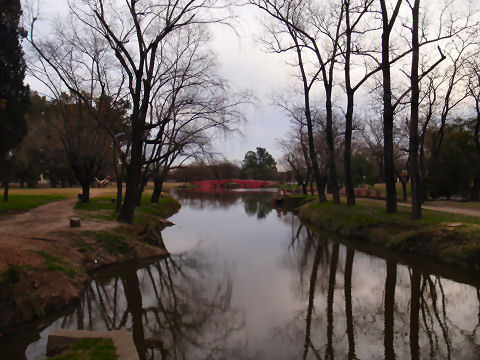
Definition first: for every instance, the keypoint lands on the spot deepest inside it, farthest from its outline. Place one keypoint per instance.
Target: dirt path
(36, 222)
(449, 209)
(37, 229)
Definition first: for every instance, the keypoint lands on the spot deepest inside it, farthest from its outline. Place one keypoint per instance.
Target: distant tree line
(256, 165)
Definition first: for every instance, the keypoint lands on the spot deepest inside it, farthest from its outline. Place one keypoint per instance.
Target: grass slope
(430, 236)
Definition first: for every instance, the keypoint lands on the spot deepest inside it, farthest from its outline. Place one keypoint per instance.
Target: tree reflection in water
(417, 315)
(176, 308)
(256, 203)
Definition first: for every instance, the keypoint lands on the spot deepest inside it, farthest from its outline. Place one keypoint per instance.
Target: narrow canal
(245, 281)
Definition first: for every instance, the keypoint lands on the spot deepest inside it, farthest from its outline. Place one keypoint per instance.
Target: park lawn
(383, 191)
(433, 235)
(69, 192)
(24, 202)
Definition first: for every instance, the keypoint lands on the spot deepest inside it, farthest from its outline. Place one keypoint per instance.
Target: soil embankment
(44, 263)
(451, 238)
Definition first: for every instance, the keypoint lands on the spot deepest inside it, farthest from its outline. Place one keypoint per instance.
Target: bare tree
(136, 32)
(193, 106)
(134, 35)
(75, 66)
(293, 157)
(309, 31)
(474, 92)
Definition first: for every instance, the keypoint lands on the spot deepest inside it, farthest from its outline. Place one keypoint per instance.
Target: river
(245, 281)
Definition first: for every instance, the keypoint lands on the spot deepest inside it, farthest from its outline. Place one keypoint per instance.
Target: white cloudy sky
(247, 66)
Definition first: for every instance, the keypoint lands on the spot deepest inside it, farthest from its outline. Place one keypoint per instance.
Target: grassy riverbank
(450, 238)
(103, 207)
(41, 273)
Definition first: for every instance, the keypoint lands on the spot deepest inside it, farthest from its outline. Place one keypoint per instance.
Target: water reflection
(257, 203)
(244, 282)
(176, 308)
(417, 315)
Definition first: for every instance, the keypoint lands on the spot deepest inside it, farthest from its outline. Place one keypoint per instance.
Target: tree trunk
(141, 187)
(388, 110)
(157, 190)
(332, 167)
(5, 190)
(119, 171)
(86, 192)
(390, 284)
(413, 143)
(348, 303)
(133, 296)
(304, 187)
(347, 155)
(415, 292)
(311, 297)
(134, 170)
(330, 297)
(475, 191)
(404, 191)
(313, 158)
(118, 203)
(158, 184)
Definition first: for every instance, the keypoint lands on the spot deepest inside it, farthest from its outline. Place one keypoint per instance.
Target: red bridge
(207, 185)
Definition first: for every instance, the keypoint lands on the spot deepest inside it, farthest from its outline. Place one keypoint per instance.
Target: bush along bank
(52, 275)
(292, 202)
(451, 238)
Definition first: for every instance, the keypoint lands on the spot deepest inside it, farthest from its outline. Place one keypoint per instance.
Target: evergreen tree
(14, 95)
(259, 165)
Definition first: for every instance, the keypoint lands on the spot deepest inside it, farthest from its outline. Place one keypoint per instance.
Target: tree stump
(75, 222)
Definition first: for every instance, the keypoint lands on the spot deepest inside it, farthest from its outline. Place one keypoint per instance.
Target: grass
(374, 212)
(103, 208)
(91, 348)
(23, 202)
(383, 190)
(429, 236)
(55, 264)
(114, 242)
(8, 279)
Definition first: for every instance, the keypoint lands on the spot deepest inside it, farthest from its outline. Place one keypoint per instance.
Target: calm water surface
(247, 282)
